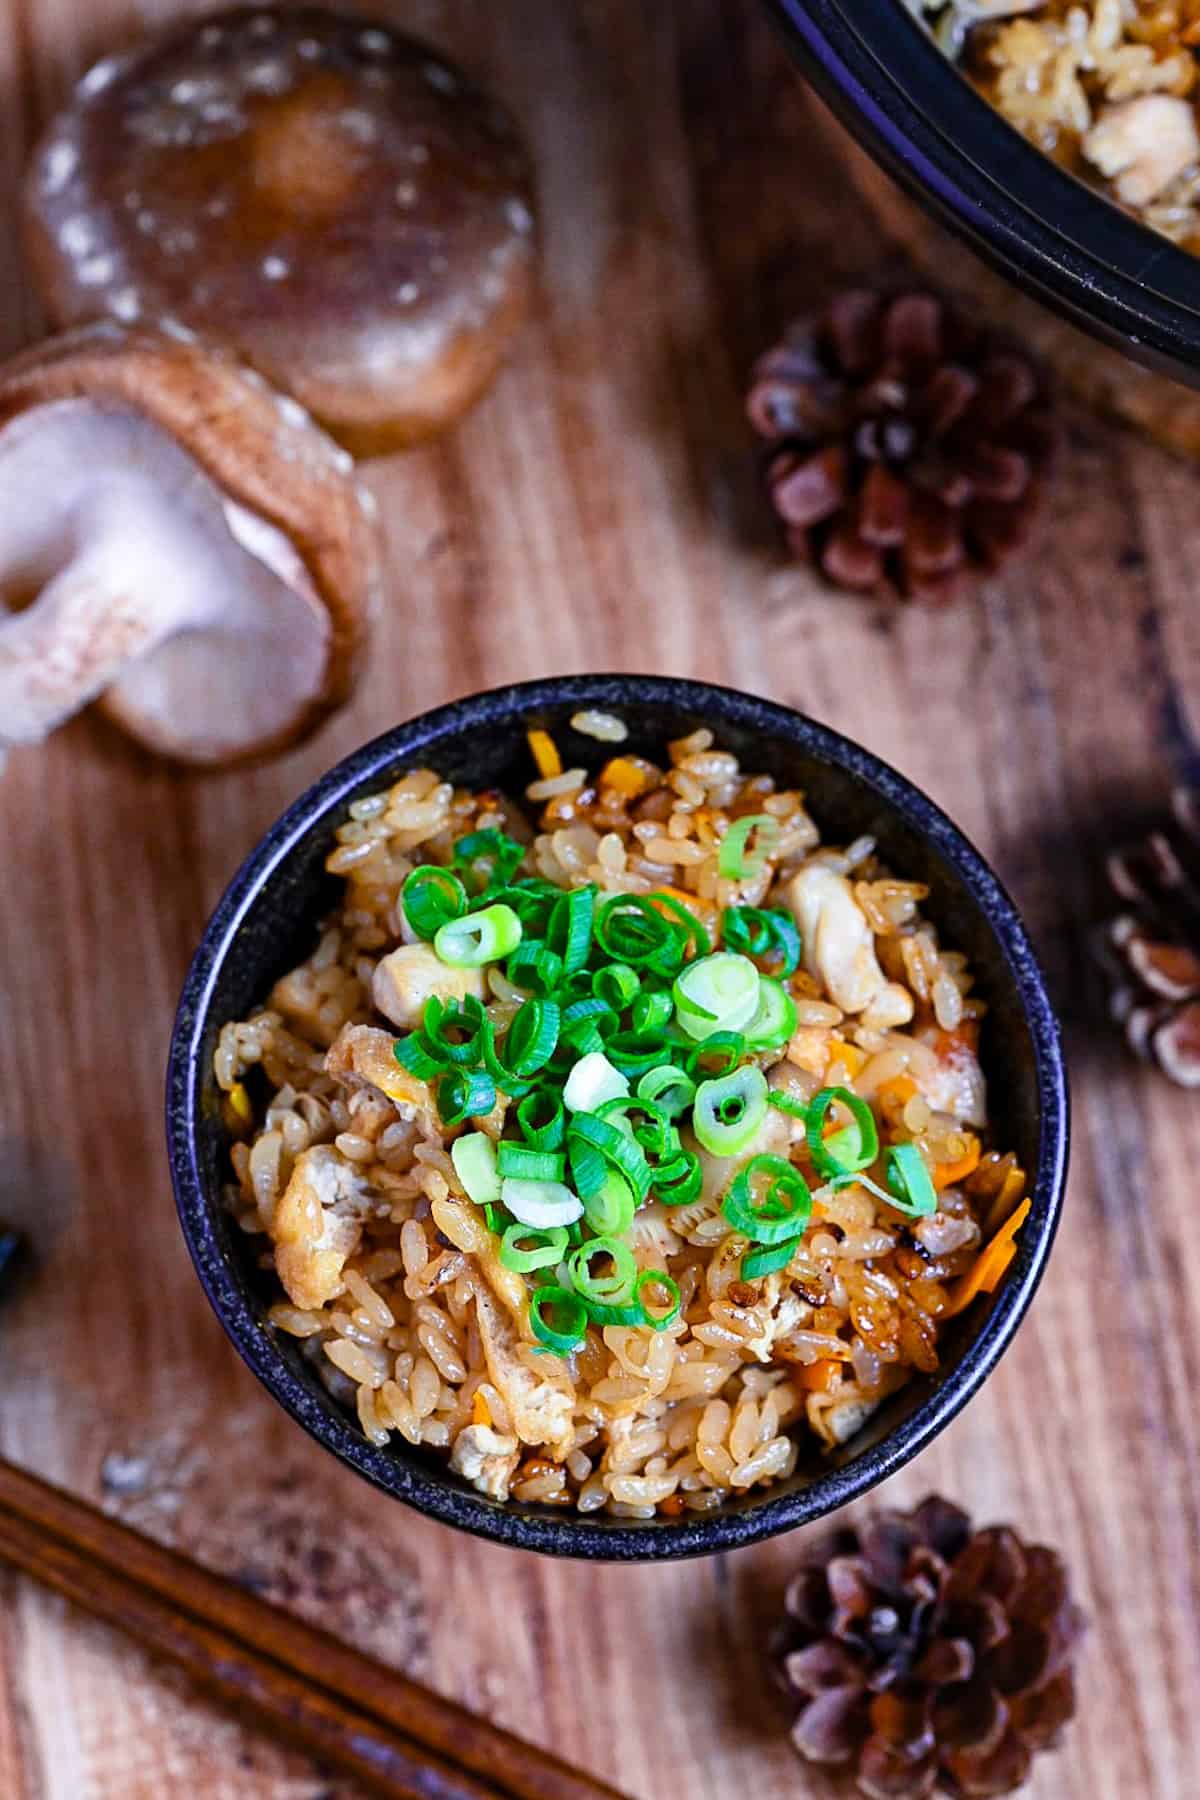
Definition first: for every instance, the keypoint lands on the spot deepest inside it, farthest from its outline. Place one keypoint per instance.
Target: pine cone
(905, 443)
(1152, 951)
(929, 1657)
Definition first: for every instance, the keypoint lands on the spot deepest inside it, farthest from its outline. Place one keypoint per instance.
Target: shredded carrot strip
(990, 1264)
(946, 1174)
(850, 1056)
(695, 901)
(625, 776)
(481, 1412)
(545, 754)
(239, 1100)
(903, 1087)
(820, 1376)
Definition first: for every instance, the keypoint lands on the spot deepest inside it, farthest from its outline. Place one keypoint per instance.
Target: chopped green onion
(509, 1083)
(775, 1021)
(532, 1037)
(601, 1312)
(781, 1214)
(764, 1259)
(617, 1149)
(570, 927)
(415, 1054)
(540, 1116)
(588, 1023)
(654, 1132)
(498, 1218)
(630, 929)
(592, 1081)
(558, 1318)
(531, 1165)
(541, 1203)
(795, 1109)
(609, 1209)
(854, 1148)
(478, 938)
(474, 1159)
(526, 1247)
(444, 1018)
(759, 932)
(699, 942)
(430, 897)
(680, 1183)
(617, 985)
(917, 1195)
(652, 1012)
(464, 1094)
(734, 862)
(634, 1052)
(659, 1279)
(728, 1046)
(589, 1170)
(728, 1112)
(613, 1288)
(718, 993)
(535, 968)
(672, 1090)
(489, 858)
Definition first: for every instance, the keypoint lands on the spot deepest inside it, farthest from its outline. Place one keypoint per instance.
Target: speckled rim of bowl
(428, 1488)
(1047, 231)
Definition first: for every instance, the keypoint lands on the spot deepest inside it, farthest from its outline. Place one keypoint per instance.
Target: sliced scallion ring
(617, 1148)
(526, 1164)
(764, 1259)
(717, 993)
(541, 1118)
(479, 937)
(681, 1183)
(569, 930)
(855, 1146)
(774, 1022)
(613, 1288)
(610, 1208)
(464, 1094)
(728, 1112)
(782, 1213)
(671, 1089)
(734, 861)
(617, 985)
(488, 858)
(431, 897)
(912, 1189)
(528, 1247)
(592, 1081)
(558, 1318)
(540, 1203)
(657, 1314)
(474, 1159)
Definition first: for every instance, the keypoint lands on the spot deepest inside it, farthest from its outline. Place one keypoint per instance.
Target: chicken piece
(1143, 144)
(363, 1054)
(315, 1228)
(540, 1411)
(412, 975)
(487, 1459)
(955, 1083)
(839, 946)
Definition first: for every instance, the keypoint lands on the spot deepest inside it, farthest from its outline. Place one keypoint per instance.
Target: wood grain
(600, 510)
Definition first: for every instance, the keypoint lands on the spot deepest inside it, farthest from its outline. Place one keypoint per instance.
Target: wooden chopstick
(396, 1737)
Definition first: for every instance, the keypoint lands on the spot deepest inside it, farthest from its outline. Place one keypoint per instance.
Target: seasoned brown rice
(1105, 87)
(390, 1274)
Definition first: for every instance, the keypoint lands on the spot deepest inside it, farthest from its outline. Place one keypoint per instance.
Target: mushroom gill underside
(130, 577)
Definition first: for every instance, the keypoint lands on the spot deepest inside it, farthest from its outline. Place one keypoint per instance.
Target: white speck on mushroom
(178, 242)
(309, 50)
(440, 77)
(419, 153)
(342, 460)
(292, 412)
(146, 222)
(276, 268)
(77, 236)
(100, 77)
(211, 36)
(222, 112)
(406, 194)
(125, 305)
(408, 293)
(218, 206)
(58, 165)
(175, 328)
(183, 92)
(368, 502)
(376, 43)
(95, 271)
(358, 124)
(273, 77)
(518, 215)
(264, 26)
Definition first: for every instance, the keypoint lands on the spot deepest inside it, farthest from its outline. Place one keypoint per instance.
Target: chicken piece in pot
(409, 977)
(839, 947)
(317, 1225)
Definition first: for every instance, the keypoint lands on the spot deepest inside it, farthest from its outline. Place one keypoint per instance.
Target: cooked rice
(426, 1336)
(1064, 72)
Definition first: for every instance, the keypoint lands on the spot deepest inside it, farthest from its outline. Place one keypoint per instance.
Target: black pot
(267, 921)
(1054, 237)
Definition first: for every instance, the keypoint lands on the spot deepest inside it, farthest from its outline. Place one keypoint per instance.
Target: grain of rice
(604, 726)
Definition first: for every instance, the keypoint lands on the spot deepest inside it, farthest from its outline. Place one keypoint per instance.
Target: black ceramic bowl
(895, 91)
(267, 922)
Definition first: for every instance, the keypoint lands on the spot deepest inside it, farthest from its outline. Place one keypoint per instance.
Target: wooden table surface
(600, 511)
